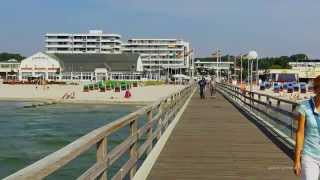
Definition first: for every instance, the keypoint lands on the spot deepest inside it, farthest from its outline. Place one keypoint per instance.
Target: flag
(216, 54)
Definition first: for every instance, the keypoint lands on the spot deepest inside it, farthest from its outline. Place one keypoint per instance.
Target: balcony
(58, 40)
(58, 51)
(92, 46)
(59, 46)
(139, 49)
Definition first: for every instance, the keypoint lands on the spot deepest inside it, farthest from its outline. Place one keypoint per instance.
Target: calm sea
(29, 134)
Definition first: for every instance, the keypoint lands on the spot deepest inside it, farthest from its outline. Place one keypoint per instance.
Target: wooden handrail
(265, 95)
(247, 98)
(166, 107)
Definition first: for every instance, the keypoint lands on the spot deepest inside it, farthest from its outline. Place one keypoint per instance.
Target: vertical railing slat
(134, 147)
(102, 150)
(150, 131)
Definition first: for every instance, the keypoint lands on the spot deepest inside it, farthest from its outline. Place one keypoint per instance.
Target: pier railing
(277, 113)
(158, 116)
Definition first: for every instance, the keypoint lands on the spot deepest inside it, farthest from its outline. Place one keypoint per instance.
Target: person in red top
(127, 94)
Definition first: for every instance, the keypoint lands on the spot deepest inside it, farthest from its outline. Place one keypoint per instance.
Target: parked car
(262, 86)
(303, 87)
(285, 85)
(296, 87)
(280, 86)
(276, 87)
(290, 88)
(310, 88)
(267, 85)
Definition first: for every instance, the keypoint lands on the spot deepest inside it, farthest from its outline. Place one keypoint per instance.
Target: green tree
(6, 56)
(297, 57)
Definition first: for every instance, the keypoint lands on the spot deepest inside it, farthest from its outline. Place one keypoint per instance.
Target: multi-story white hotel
(93, 42)
(161, 55)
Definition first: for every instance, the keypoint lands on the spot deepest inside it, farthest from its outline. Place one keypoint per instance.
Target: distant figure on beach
(212, 86)
(307, 149)
(127, 94)
(202, 85)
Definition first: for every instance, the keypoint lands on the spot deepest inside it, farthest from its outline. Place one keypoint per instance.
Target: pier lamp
(252, 55)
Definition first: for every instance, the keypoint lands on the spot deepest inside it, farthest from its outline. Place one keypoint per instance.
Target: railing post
(160, 121)
(268, 103)
(165, 112)
(251, 100)
(101, 156)
(149, 132)
(293, 108)
(134, 147)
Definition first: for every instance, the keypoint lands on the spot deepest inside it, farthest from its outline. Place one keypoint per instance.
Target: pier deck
(213, 140)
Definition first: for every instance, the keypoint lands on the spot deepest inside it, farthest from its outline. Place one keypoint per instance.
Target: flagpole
(217, 66)
(241, 69)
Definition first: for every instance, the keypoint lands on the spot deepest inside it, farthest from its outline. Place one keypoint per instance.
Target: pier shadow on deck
(213, 140)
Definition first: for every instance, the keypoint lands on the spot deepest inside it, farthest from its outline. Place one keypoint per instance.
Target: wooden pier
(213, 140)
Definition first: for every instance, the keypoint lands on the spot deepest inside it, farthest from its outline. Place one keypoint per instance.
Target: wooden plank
(102, 148)
(149, 133)
(128, 166)
(213, 140)
(114, 155)
(134, 147)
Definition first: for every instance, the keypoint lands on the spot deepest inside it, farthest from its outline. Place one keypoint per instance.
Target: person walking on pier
(307, 150)
(212, 85)
(202, 85)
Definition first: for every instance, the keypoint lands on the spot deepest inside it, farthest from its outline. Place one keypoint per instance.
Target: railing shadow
(266, 117)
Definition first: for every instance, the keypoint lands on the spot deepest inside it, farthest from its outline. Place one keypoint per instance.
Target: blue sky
(271, 27)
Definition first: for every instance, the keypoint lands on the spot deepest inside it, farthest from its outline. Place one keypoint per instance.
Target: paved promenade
(213, 140)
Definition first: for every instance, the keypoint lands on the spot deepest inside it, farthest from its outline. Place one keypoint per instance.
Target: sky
(271, 27)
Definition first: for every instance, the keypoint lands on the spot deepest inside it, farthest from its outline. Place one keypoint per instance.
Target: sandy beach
(140, 95)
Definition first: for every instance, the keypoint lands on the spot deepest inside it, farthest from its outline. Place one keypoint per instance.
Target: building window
(41, 75)
(86, 76)
(52, 76)
(5, 66)
(25, 75)
(76, 75)
(66, 75)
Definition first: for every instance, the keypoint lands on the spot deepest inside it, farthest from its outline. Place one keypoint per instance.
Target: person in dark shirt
(202, 84)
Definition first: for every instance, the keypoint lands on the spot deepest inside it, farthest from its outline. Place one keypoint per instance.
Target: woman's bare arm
(299, 144)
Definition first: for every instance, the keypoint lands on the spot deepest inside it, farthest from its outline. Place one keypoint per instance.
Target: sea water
(29, 134)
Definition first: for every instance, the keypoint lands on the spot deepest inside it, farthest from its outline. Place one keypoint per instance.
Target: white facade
(39, 65)
(49, 67)
(161, 54)
(93, 42)
(9, 68)
(305, 64)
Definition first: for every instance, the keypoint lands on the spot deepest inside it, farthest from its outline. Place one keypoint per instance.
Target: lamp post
(257, 71)
(217, 54)
(241, 69)
(150, 67)
(252, 55)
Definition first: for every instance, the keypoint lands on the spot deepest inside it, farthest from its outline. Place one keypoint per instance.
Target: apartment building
(93, 42)
(161, 55)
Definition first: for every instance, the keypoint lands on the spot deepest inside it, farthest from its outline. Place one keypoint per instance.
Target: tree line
(6, 56)
(281, 62)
